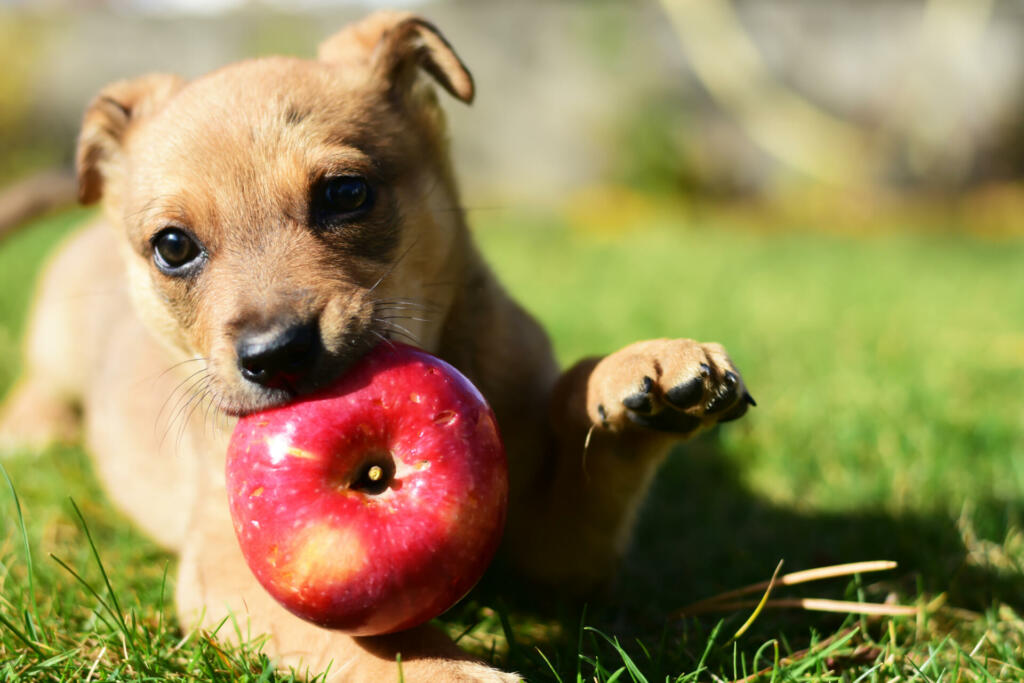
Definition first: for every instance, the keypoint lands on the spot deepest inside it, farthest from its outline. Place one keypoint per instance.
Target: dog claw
(724, 398)
(639, 403)
(749, 399)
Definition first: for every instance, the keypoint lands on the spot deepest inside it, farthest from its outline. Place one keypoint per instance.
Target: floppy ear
(395, 45)
(106, 121)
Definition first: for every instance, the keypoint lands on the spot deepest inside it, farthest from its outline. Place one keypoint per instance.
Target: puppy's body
(263, 227)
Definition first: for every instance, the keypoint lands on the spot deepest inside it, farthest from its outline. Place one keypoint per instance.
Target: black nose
(280, 357)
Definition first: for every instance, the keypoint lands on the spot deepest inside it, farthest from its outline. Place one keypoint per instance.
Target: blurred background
(865, 101)
(833, 189)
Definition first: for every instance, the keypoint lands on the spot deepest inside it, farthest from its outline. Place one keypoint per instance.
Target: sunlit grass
(889, 425)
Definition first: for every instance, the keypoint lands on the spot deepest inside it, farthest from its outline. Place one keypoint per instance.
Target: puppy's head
(280, 216)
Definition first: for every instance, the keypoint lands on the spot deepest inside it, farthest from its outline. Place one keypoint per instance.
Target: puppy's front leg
(613, 420)
(215, 585)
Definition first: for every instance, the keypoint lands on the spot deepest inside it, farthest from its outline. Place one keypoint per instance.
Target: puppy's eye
(344, 194)
(174, 250)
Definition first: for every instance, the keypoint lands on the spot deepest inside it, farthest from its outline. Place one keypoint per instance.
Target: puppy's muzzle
(281, 357)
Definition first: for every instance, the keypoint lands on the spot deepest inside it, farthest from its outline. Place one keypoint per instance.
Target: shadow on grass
(703, 532)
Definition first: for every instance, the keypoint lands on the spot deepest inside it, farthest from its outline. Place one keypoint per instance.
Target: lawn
(888, 373)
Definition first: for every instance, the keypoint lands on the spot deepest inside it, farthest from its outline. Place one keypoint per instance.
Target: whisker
(400, 331)
(394, 326)
(193, 403)
(175, 391)
(178, 394)
(173, 424)
(402, 317)
(382, 338)
(383, 303)
(405, 337)
(178, 365)
(208, 426)
(406, 302)
(405, 307)
(394, 265)
(429, 191)
(409, 340)
(182, 404)
(225, 419)
(219, 416)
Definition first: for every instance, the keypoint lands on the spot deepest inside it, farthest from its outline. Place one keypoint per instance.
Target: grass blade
(634, 672)
(33, 631)
(20, 636)
(549, 665)
(760, 606)
(579, 645)
(78, 577)
(117, 612)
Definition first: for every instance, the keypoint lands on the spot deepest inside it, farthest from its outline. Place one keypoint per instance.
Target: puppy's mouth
(275, 368)
(271, 369)
(258, 367)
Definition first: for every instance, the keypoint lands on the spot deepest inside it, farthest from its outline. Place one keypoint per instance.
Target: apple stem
(375, 473)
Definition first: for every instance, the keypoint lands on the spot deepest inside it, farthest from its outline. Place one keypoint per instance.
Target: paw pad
(675, 386)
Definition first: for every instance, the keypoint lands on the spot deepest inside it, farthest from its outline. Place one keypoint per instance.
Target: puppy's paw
(471, 672)
(432, 671)
(31, 420)
(669, 385)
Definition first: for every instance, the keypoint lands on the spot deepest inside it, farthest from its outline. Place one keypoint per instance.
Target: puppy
(265, 225)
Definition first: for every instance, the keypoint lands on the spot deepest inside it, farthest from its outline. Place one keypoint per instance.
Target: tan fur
(151, 358)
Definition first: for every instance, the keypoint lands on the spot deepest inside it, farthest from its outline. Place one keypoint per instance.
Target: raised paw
(668, 385)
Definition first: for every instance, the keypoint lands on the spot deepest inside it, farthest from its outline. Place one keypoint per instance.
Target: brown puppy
(263, 227)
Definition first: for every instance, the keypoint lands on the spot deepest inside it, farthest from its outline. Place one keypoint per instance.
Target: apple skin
(323, 538)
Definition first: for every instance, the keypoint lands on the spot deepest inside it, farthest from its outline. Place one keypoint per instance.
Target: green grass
(888, 374)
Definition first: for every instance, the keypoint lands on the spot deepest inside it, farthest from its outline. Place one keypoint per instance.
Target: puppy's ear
(106, 122)
(394, 45)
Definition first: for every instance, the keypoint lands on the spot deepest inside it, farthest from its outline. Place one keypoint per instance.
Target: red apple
(374, 505)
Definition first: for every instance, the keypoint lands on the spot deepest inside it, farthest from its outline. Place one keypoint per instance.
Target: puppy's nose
(278, 357)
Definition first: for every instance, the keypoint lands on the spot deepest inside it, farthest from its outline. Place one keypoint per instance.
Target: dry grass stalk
(813, 605)
(714, 603)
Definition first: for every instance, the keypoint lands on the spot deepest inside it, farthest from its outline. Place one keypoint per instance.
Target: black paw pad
(641, 402)
(667, 421)
(687, 394)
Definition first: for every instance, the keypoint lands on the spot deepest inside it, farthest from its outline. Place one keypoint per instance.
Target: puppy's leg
(214, 584)
(78, 291)
(35, 416)
(42, 407)
(614, 419)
